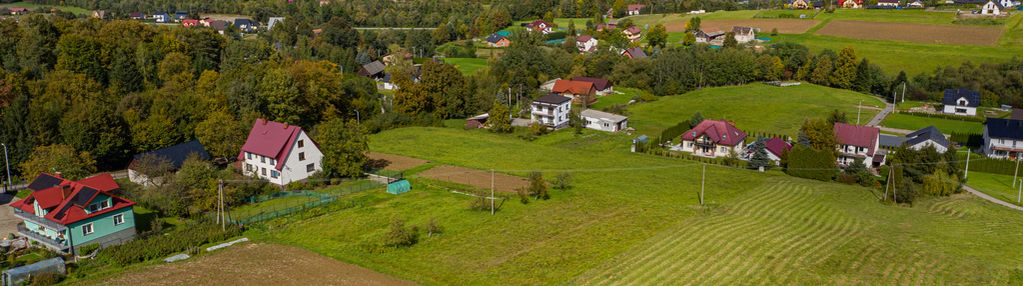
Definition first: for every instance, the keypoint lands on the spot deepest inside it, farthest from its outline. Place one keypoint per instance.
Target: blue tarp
(764, 39)
(399, 187)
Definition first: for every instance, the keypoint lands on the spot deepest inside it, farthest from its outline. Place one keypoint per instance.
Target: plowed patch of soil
(784, 26)
(256, 264)
(396, 162)
(475, 178)
(917, 33)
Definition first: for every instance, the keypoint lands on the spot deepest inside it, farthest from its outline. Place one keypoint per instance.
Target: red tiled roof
(636, 7)
(857, 135)
(633, 30)
(573, 87)
(72, 198)
(777, 146)
(719, 132)
(271, 139)
(18, 9)
(598, 83)
(584, 38)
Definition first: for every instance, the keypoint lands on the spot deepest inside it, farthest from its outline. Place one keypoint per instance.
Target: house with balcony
(279, 153)
(62, 215)
(633, 33)
(961, 101)
(1003, 138)
(713, 138)
(551, 110)
(858, 142)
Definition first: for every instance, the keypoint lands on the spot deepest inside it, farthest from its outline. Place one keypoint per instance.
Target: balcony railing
(38, 220)
(49, 242)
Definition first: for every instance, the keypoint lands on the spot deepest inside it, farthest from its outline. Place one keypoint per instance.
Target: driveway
(8, 222)
(992, 199)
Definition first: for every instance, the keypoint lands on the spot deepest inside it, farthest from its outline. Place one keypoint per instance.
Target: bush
(805, 162)
(88, 248)
(980, 119)
(45, 279)
(400, 235)
(563, 181)
(537, 186)
(160, 246)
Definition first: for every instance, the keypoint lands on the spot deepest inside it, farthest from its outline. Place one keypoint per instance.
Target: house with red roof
(775, 147)
(634, 9)
(188, 23)
(578, 91)
(633, 33)
(540, 26)
(61, 214)
(603, 86)
(713, 138)
(18, 10)
(279, 153)
(858, 142)
(634, 53)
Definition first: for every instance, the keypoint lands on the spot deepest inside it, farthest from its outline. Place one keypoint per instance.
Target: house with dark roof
(245, 25)
(497, 40)
(62, 215)
(858, 142)
(175, 156)
(220, 26)
(161, 17)
(714, 38)
(279, 153)
(373, 70)
(634, 53)
(992, 7)
(961, 101)
(602, 86)
(1003, 138)
(551, 110)
(180, 15)
(578, 91)
(713, 138)
(929, 136)
(137, 16)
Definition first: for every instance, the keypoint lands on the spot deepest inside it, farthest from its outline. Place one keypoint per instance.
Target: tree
(571, 28)
(689, 40)
(399, 235)
(576, 121)
(695, 120)
(60, 158)
(80, 54)
(820, 133)
(222, 134)
(154, 168)
(282, 98)
(837, 116)
(822, 72)
(538, 186)
(657, 36)
(344, 146)
(693, 25)
(339, 32)
(760, 159)
(499, 120)
(563, 181)
(845, 69)
(774, 32)
(730, 41)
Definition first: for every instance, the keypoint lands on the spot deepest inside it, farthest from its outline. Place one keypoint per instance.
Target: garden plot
(475, 178)
(917, 33)
(397, 162)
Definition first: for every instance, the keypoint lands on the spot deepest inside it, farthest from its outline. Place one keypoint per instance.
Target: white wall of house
(960, 110)
(1008, 3)
(922, 145)
(990, 8)
(555, 116)
(745, 38)
(1004, 146)
(587, 45)
(142, 179)
(888, 4)
(605, 124)
(717, 151)
(296, 165)
(851, 153)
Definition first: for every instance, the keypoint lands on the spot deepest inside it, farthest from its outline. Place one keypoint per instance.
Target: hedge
(805, 162)
(673, 132)
(980, 119)
(160, 246)
(967, 139)
(981, 163)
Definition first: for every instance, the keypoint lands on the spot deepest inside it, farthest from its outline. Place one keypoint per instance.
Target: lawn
(947, 126)
(995, 185)
(33, 6)
(635, 219)
(468, 66)
(249, 210)
(622, 95)
(753, 107)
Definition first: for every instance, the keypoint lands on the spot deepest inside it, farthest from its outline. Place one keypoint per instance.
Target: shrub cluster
(805, 162)
(162, 245)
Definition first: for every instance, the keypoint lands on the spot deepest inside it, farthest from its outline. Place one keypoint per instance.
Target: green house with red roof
(61, 214)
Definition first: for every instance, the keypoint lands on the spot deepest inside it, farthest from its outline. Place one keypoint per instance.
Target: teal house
(62, 215)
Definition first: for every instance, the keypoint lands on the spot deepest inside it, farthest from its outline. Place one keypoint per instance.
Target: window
(273, 162)
(274, 174)
(118, 219)
(264, 172)
(262, 159)
(104, 204)
(93, 208)
(87, 229)
(301, 156)
(310, 168)
(248, 155)
(248, 167)
(301, 143)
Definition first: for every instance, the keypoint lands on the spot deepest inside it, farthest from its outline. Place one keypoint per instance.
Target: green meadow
(468, 66)
(911, 122)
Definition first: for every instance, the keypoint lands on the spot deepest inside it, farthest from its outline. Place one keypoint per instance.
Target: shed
(399, 187)
(19, 275)
(478, 121)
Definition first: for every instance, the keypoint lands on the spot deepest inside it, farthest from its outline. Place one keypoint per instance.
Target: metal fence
(313, 199)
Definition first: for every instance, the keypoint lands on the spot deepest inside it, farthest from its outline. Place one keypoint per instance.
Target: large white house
(713, 138)
(961, 101)
(858, 142)
(991, 8)
(1003, 138)
(551, 110)
(279, 153)
(586, 43)
(603, 121)
(744, 34)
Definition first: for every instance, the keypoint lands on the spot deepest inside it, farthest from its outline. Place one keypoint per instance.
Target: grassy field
(622, 95)
(33, 6)
(910, 122)
(998, 186)
(635, 219)
(468, 65)
(753, 107)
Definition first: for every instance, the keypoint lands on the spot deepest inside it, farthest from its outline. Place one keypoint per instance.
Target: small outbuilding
(603, 121)
(476, 122)
(399, 187)
(19, 275)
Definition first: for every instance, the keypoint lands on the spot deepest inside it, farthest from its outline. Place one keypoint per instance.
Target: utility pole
(1019, 194)
(895, 188)
(966, 173)
(222, 218)
(358, 118)
(8, 163)
(703, 182)
(887, 182)
(1014, 173)
(903, 91)
(491, 191)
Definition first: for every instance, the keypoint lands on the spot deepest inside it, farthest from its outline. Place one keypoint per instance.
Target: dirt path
(992, 199)
(256, 264)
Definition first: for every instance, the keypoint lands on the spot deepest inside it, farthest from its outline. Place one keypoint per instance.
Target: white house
(1007, 3)
(916, 4)
(633, 33)
(1003, 138)
(888, 3)
(858, 142)
(586, 43)
(991, 8)
(929, 136)
(540, 26)
(634, 9)
(713, 138)
(279, 153)
(744, 34)
(961, 101)
(603, 121)
(551, 110)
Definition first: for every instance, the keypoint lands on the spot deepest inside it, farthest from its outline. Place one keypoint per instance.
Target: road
(992, 199)
(881, 115)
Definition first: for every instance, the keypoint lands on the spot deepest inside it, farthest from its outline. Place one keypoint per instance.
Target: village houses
(961, 101)
(1003, 138)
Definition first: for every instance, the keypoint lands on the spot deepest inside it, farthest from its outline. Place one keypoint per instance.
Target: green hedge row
(980, 119)
(805, 162)
(967, 139)
(673, 132)
(981, 163)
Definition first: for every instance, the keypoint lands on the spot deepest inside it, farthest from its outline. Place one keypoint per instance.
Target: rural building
(929, 136)
(373, 70)
(744, 34)
(180, 15)
(137, 16)
(279, 153)
(603, 121)
(609, 26)
(890, 141)
(634, 53)
(1003, 138)
(586, 43)
(188, 23)
(161, 17)
(18, 10)
(578, 91)
(273, 21)
(61, 214)
(888, 3)
(174, 155)
(220, 26)
(540, 26)
(775, 148)
(498, 40)
(245, 25)
(961, 101)
(709, 38)
(713, 138)
(991, 8)
(858, 142)
(602, 86)
(551, 110)
(633, 33)
(476, 122)
(916, 4)
(800, 4)
(99, 14)
(1007, 3)
(634, 9)
(853, 4)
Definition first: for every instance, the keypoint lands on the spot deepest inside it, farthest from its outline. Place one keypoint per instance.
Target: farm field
(753, 107)
(476, 178)
(911, 122)
(911, 32)
(995, 185)
(468, 65)
(633, 218)
(33, 6)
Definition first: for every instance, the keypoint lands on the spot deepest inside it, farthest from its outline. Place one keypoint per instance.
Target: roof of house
(219, 25)
(598, 83)
(495, 37)
(272, 21)
(17, 9)
(242, 21)
(190, 21)
(180, 13)
(1017, 113)
(271, 139)
(888, 1)
(636, 53)
(584, 38)
(538, 23)
(742, 30)
(718, 131)
(953, 95)
(176, 154)
(44, 181)
(857, 135)
(928, 133)
(552, 99)
(1004, 128)
(573, 87)
(635, 7)
(69, 200)
(593, 113)
(890, 141)
(632, 30)
(372, 68)
(777, 146)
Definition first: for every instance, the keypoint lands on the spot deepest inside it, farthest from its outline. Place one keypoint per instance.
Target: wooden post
(895, 189)
(886, 184)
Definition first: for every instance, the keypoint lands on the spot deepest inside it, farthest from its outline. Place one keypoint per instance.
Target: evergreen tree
(695, 120)
(760, 159)
(730, 41)
(845, 69)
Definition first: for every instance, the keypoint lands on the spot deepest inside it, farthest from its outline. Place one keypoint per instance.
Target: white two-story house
(858, 142)
(586, 43)
(1003, 138)
(551, 110)
(279, 152)
(713, 138)
(961, 101)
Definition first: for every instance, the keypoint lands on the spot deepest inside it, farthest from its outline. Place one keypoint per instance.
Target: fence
(268, 207)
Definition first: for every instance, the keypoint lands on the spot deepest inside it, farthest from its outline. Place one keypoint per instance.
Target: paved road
(881, 115)
(992, 199)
